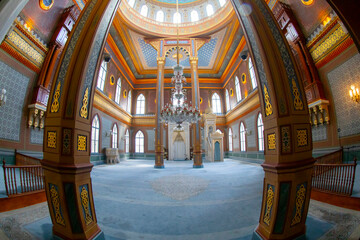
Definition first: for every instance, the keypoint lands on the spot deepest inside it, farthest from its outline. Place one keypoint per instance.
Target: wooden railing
(21, 159)
(23, 179)
(331, 158)
(331, 175)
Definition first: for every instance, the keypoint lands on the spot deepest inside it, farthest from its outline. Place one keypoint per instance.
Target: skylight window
(209, 10)
(144, 10)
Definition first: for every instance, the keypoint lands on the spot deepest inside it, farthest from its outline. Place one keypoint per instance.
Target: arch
(140, 104)
(227, 100)
(139, 142)
(242, 137)
(144, 10)
(127, 141)
(219, 131)
(118, 91)
(160, 16)
(237, 89)
(222, 2)
(102, 76)
(177, 18)
(263, 35)
(260, 132)
(114, 136)
(216, 103)
(252, 74)
(230, 140)
(95, 134)
(194, 15)
(209, 10)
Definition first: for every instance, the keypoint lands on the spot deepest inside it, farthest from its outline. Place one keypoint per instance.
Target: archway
(288, 161)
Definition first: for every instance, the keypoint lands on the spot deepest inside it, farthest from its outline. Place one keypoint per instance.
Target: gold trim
(44, 7)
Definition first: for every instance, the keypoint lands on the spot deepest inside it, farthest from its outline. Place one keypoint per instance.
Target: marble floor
(133, 200)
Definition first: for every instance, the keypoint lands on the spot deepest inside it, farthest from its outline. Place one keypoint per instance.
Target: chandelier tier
(178, 110)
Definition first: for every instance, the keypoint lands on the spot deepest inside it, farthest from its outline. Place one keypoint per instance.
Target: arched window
(127, 141)
(209, 10)
(219, 131)
(102, 76)
(144, 10)
(95, 133)
(216, 104)
(140, 104)
(114, 136)
(131, 3)
(118, 91)
(194, 16)
(160, 16)
(242, 138)
(252, 74)
(177, 18)
(230, 140)
(237, 89)
(260, 128)
(227, 99)
(139, 142)
(128, 106)
(222, 2)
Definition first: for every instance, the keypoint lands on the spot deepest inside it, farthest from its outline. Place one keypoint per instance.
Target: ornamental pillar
(196, 133)
(287, 133)
(67, 134)
(159, 147)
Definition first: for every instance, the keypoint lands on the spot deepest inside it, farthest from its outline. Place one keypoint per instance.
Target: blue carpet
(133, 200)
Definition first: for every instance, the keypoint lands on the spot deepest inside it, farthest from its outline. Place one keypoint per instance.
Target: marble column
(159, 147)
(196, 133)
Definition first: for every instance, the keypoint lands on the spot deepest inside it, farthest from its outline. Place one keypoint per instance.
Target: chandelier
(178, 110)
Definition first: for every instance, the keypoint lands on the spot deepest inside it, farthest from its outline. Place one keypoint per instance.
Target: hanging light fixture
(178, 110)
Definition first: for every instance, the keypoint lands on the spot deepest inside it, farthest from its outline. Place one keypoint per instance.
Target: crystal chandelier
(178, 110)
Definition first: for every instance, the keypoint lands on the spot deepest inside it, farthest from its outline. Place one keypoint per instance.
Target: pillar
(196, 133)
(159, 147)
(288, 145)
(67, 134)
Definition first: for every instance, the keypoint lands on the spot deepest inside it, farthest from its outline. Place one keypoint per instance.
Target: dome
(164, 11)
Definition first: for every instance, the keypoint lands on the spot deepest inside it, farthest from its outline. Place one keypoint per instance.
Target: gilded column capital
(194, 60)
(160, 60)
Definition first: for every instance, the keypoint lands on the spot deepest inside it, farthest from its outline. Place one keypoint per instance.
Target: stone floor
(222, 201)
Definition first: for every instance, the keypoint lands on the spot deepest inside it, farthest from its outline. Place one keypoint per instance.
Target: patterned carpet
(221, 201)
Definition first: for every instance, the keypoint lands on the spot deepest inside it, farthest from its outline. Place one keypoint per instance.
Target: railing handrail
(22, 166)
(329, 154)
(34, 158)
(335, 164)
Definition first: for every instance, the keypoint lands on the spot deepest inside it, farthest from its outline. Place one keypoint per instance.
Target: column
(159, 147)
(67, 134)
(196, 103)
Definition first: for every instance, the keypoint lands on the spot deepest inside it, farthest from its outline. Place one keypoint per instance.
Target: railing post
(5, 178)
(353, 176)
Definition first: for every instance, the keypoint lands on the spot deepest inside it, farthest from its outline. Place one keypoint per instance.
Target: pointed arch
(260, 132)
(102, 76)
(237, 89)
(139, 142)
(140, 104)
(242, 137)
(118, 91)
(230, 140)
(194, 15)
(95, 134)
(127, 141)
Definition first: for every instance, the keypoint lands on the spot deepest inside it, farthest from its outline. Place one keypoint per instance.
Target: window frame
(142, 13)
(128, 104)
(157, 15)
(242, 137)
(227, 100)
(102, 76)
(260, 133)
(215, 100)
(118, 91)
(127, 141)
(230, 139)
(175, 21)
(209, 10)
(114, 136)
(237, 89)
(139, 142)
(252, 74)
(140, 104)
(192, 16)
(95, 135)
